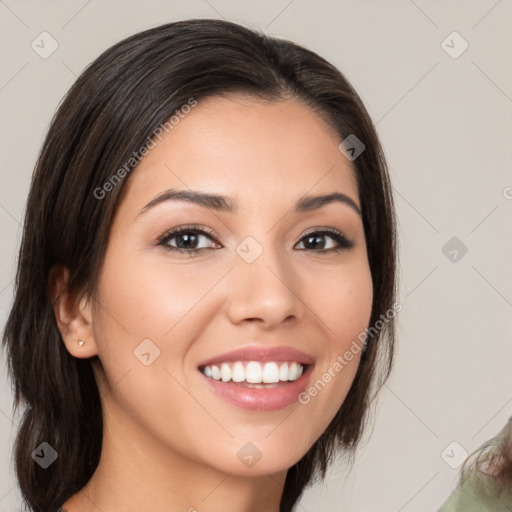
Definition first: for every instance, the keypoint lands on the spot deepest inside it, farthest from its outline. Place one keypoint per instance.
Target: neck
(137, 472)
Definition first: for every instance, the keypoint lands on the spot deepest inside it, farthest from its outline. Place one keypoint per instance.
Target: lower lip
(262, 399)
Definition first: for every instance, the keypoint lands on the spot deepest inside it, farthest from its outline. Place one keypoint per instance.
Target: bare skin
(170, 443)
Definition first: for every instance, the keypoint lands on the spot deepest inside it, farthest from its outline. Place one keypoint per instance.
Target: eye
(187, 239)
(317, 238)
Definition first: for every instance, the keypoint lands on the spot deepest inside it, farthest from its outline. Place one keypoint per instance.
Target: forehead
(248, 149)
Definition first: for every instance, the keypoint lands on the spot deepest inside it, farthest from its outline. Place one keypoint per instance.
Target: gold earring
(80, 342)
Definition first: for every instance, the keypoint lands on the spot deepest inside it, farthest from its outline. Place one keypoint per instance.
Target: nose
(265, 291)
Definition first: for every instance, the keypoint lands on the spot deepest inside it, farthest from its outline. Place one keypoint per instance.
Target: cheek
(151, 313)
(154, 300)
(344, 303)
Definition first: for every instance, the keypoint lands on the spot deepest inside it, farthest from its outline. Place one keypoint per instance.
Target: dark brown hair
(107, 115)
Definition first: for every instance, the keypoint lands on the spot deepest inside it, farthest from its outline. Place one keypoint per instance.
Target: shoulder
(478, 489)
(477, 493)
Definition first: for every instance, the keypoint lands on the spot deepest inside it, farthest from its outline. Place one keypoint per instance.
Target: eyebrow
(225, 204)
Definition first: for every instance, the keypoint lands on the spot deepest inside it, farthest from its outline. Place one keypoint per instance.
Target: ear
(73, 314)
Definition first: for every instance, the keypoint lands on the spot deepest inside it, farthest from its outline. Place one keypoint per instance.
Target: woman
(205, 296)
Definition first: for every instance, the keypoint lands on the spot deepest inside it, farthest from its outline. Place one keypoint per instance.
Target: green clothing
(480, 492)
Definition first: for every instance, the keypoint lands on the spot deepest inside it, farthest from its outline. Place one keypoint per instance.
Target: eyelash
(343, 242)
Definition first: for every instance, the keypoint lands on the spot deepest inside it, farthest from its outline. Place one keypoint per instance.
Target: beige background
(446, 125)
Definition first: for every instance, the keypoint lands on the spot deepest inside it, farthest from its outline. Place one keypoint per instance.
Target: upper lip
(262, 354)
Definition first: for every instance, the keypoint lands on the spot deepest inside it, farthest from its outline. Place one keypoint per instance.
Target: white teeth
(283, 371)
(295, 371)
(270, 373)
(255, 372)
(238, 373)
(225, 372)
(292, 372)
(216, 373)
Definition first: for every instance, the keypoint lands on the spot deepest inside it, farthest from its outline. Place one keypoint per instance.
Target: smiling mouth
(255, 374)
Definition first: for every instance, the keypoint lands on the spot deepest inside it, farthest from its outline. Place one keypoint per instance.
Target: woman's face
(266, 276)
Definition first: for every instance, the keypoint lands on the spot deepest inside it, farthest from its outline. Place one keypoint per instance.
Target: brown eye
(316, 239)
(187, 239)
